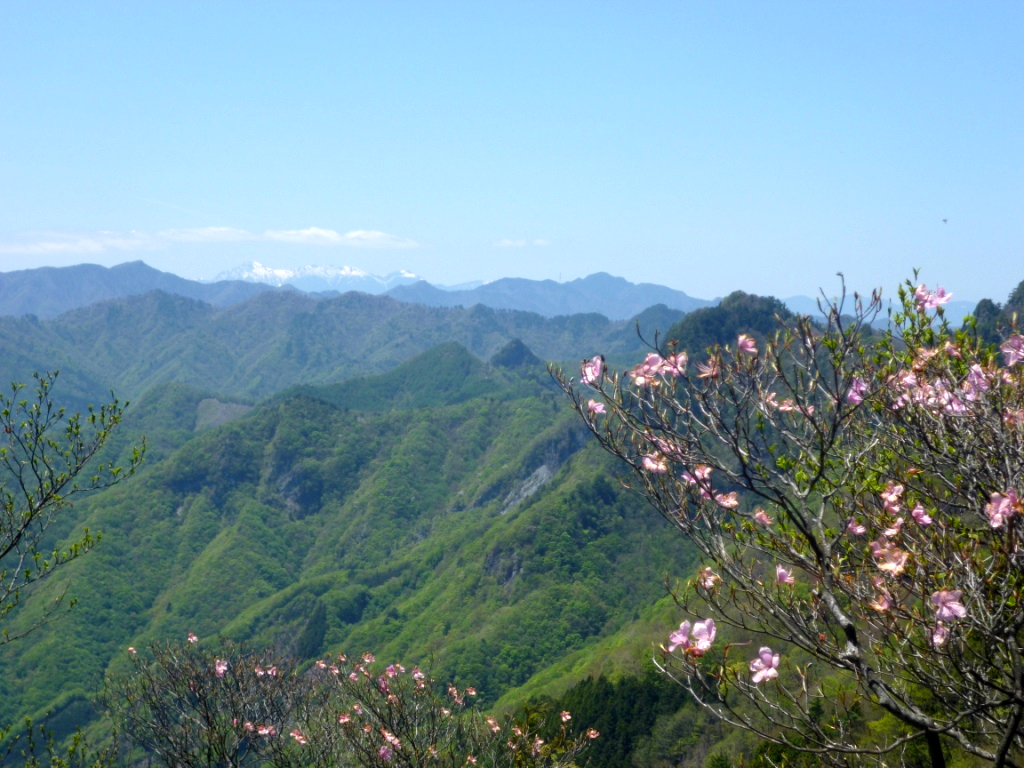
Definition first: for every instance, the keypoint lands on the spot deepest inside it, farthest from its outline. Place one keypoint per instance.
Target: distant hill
(280, 339)
(49, 291)
(613, 297)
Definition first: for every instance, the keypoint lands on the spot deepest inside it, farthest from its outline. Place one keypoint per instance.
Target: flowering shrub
(856, 497)
(189, 707)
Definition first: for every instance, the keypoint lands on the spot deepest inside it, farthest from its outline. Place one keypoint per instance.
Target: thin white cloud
(38, 243)
(207, 235)
(98, 242)
(359, 238)
(542, 243)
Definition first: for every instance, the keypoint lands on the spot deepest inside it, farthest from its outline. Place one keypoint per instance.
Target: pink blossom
(891, 497)
(192, 638)
(698, 476)
(390, 738)
(566, 716)
(746, 345)
(369, 658)
(493, 724)
(220, 667)
(680, 638)
(881, 602)
(592, 734)
(344, 717)
(761, 517)
(926, 299)
(1013, 350)
(595, 407)
(703, 635)
(948, 606)
(675, 365)
(655, 462)
(708, 578)
(1001, 508)
(939, 634)
(783, 576)
(765, 666)
(266, 730)
(385, 753)
(977, 382)
(592, 370)
(131, 650)
(896, 527)
(854, 528)
(708, 370)
(858, 387)
(887, 557)
(920, 515)
(297, 735)
(727, 500)
(390, 670)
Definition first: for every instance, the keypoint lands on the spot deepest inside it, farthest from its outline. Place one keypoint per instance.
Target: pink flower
(192, 638)
(344, 717)
(699, 476)
(493, 724)
(854, 528)
(891, 497)
(703, 634)
(592, 734)
(655, 462)
(887, 557)
(1013, 350)
(746, 345)
(896, 527)
(858, 387)
(939, 634)
(708, 578)
(948, 606)
(680, 638)
(1001, 508)
(783, 576)
(266, 730)
(592, 370)
(385, 753)
(297, 735)
(727, 500)
(708, 370)
(566, 717)
(920, 515)
(926, 299)
(131, 650)
(595, 407)
(761, 517)
(765, 666)
(220, 667)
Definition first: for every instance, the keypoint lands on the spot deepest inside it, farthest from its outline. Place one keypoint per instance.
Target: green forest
(352, 475)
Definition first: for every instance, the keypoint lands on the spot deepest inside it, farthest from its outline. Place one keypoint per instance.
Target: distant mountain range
(50, 291)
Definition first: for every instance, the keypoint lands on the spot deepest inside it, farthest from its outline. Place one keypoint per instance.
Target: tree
(229, 706)
(855, 500)
(44, 454)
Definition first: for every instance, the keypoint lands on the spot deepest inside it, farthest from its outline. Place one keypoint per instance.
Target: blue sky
(760, 146)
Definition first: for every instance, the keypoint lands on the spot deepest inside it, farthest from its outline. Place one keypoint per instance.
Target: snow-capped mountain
(316, 278)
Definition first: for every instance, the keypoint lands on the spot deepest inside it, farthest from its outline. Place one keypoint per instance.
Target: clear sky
(708, 146)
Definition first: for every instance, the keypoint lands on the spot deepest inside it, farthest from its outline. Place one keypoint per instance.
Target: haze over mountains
(47, 292)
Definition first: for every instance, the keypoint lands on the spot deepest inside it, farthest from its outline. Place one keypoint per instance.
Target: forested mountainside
(435, 502)
(486, 535)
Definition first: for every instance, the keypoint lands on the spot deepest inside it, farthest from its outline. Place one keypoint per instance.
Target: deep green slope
(483, 532)
(275, 340)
